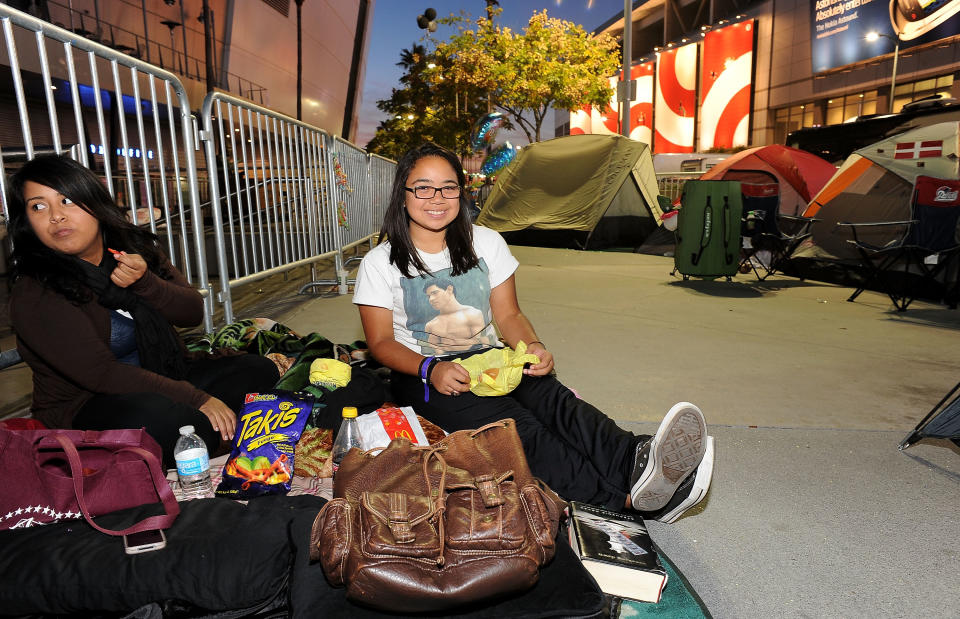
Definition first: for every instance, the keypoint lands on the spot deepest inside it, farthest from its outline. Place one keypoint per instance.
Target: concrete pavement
(813, 511)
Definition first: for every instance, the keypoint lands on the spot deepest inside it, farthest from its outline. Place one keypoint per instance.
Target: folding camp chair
(765, 244)
(925, 257)
(941, 422)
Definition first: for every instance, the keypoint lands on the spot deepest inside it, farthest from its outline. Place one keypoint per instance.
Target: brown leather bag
(417, 529)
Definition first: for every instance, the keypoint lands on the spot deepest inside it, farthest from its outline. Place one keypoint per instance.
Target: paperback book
(617, 550)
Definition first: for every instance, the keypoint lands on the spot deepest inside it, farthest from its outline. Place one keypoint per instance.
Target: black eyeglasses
(426, 192)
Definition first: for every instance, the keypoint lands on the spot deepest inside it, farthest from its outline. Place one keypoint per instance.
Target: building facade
(253, 47)
(724, 74)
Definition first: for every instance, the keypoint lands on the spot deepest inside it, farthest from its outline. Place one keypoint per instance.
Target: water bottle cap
(349, 412)
(186, 430)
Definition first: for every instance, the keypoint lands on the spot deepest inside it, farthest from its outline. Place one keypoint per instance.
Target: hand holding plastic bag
(497, 371)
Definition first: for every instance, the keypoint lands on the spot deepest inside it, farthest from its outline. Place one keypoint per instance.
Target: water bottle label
(192, 461)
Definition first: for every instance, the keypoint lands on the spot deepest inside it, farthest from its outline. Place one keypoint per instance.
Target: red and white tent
(797, 174)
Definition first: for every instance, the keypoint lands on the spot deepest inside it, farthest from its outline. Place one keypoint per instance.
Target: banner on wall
(607, 121)
(675, 100)
(838, 28)
(726, 84)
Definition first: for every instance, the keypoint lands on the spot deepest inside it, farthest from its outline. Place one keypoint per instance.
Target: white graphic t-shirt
(439, 314)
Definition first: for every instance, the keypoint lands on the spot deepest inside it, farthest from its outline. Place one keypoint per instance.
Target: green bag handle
(726, 229)
(704, 233)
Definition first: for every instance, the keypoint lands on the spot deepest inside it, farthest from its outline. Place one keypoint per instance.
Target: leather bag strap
(170, 506)
(438, 497)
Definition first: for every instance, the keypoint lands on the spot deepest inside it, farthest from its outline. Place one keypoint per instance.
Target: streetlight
(172, 25)
(626, 86)
(873, 36)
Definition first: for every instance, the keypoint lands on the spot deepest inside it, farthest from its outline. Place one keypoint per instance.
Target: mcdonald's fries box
(383, 425)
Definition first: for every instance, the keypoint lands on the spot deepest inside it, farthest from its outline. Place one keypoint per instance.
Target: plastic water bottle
(193, 464)
(348, 437)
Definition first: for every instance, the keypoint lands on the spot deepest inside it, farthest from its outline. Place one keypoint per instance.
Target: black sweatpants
(226, 378)
(577, 450)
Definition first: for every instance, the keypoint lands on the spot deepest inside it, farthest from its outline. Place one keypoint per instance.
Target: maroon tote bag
(55, 475)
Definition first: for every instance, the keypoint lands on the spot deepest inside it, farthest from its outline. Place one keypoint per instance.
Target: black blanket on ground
(565, 589)
(223, 559)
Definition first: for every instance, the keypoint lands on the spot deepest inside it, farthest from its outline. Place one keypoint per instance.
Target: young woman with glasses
(436, 283)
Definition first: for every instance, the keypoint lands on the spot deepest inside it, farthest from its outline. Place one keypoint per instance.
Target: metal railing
(281, 193)
(671, 184)
(151, 132)
(381, 181)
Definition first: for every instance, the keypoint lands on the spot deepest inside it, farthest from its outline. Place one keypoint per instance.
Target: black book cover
(616, 548)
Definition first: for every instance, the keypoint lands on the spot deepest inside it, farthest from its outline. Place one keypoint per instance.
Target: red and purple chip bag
(268, 428)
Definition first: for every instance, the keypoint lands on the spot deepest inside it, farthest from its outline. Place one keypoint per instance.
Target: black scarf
(157, 343)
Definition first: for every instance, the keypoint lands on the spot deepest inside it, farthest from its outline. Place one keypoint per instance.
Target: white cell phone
(144, 541)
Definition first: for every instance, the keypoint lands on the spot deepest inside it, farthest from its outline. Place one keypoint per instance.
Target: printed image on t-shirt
(449, 314)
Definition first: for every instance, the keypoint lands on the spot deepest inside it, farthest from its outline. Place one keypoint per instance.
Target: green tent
(579, 191)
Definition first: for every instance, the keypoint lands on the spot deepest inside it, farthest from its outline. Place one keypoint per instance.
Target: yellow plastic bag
(330, 373)
(497, 371)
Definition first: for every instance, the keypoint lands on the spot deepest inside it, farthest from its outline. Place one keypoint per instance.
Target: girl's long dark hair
(396, 223)
(60, 273)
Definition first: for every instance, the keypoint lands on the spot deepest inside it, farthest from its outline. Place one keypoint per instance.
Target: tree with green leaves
(427, 106)
(552, 63)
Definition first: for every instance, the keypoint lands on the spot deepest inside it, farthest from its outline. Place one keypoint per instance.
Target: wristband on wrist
(424, 371)
(536, 342)
(430, 367)
(423, 362)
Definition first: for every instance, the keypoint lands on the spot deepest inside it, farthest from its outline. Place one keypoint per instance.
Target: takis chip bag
(268, 428)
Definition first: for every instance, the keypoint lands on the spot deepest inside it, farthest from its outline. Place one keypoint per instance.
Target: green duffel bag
(708, 229)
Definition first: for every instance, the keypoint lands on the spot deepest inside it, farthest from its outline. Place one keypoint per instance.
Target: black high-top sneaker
(662, 463)
(691, 490)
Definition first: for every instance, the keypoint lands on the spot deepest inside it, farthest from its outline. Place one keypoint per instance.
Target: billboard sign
(675, 100)
(607, 120)
(839, 27)
(725, 89)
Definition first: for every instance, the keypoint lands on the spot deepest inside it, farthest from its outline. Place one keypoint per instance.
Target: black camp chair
(763, 230)
(924, 257)
(943, 421)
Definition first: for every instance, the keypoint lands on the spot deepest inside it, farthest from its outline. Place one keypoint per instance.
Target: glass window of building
(789, 119)
(912, 91)
(835, 111)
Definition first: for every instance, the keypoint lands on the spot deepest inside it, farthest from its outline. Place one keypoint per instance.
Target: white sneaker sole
(675, 451)
(701, 484)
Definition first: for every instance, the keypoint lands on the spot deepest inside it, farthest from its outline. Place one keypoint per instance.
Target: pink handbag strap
(170, 505)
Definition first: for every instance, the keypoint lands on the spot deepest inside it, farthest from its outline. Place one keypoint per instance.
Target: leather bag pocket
(331, 537)
(544, 518)
(392, 523)
(472, 525)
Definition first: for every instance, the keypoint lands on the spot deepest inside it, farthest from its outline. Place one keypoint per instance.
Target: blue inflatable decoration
(485, 130)
(500, 157)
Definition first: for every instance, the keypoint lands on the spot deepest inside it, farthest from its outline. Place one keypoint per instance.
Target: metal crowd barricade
(351, 184)
(127, 120)
(283, 194)
(366, 209)
(382, 172)
(671, 183)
